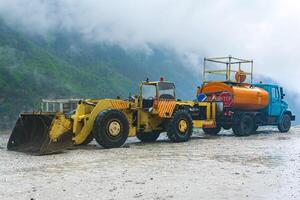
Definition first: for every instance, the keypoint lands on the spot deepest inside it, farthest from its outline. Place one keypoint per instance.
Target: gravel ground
(262, 166)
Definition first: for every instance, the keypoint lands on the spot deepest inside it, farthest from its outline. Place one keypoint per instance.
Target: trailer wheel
(285, 123)
(148, 137)
(244, 126)
(111, 129)
(212, 131)
(180, 126)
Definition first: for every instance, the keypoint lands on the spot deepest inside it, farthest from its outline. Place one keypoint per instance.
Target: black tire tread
(172, 131)
(280, 125)
(99, 130)
(237, 128)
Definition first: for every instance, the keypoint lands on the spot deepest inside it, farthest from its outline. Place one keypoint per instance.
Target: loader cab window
(148, 95)
(166, 90)
(149, 91)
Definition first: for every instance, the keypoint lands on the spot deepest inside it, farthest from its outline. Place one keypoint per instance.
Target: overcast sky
(267, 31)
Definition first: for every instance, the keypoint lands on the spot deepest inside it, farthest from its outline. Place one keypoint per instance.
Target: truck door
(275, 101)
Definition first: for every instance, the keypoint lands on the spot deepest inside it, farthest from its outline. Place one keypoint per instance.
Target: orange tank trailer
(244, 96)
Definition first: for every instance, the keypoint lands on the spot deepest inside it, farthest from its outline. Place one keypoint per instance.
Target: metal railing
(232, 65)
(58, 105)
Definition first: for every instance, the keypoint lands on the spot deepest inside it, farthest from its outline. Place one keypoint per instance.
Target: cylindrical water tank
(244, 96)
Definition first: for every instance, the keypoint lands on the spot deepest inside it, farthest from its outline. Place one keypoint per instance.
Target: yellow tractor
(112, 121)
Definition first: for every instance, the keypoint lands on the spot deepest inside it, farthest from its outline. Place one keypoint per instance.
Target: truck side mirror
(281, 93)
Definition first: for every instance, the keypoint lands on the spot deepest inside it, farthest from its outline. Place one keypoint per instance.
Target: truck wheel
(180, 127)
(212, 131)
(244, 126)
(148, 137)
(111, 129)
(285, 123)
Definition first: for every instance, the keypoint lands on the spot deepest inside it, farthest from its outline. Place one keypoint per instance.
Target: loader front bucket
(41, 133)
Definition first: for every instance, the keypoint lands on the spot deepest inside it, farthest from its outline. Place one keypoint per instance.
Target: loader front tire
(111, 128)
(148, 137)
(180, 127)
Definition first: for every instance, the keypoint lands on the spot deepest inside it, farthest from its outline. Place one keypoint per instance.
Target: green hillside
(62, 66)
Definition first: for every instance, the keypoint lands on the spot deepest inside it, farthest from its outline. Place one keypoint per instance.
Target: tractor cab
(155, 91)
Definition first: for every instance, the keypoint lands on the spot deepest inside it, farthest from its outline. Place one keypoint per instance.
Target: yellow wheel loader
(112, 121)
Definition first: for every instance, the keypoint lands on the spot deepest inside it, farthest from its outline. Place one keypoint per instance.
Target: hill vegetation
(62, 65)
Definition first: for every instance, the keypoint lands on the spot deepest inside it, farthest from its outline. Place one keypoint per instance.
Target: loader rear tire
(111, 128)
(180, 127)
(148, 137)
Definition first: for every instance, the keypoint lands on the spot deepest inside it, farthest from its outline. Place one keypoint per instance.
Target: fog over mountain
(266, 31)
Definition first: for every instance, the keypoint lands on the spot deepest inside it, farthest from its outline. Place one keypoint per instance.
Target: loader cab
(158, 90)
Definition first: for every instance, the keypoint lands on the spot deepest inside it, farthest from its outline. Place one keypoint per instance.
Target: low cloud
(266, 31)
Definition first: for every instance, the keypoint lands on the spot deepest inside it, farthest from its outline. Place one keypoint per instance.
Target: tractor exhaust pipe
(41, 133)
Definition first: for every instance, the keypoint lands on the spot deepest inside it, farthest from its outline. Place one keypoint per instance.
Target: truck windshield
(166, 90)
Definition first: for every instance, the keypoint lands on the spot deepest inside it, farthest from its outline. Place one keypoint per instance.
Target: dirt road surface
(262, 166)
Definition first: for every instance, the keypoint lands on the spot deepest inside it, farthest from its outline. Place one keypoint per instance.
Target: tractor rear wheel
(212, 131)
(148, 137)
(111, 129)
(244, 126)
(180, 127)
(285, 123)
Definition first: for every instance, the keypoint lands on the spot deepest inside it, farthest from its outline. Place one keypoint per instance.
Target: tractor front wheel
(180, 127)
(111, 129)
(148, 137)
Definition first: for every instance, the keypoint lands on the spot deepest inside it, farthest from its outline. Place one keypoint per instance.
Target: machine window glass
(166, 90)
(149, 91)
(275, 93)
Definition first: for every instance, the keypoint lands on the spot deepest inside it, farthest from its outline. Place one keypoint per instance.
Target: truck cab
(277, 107)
